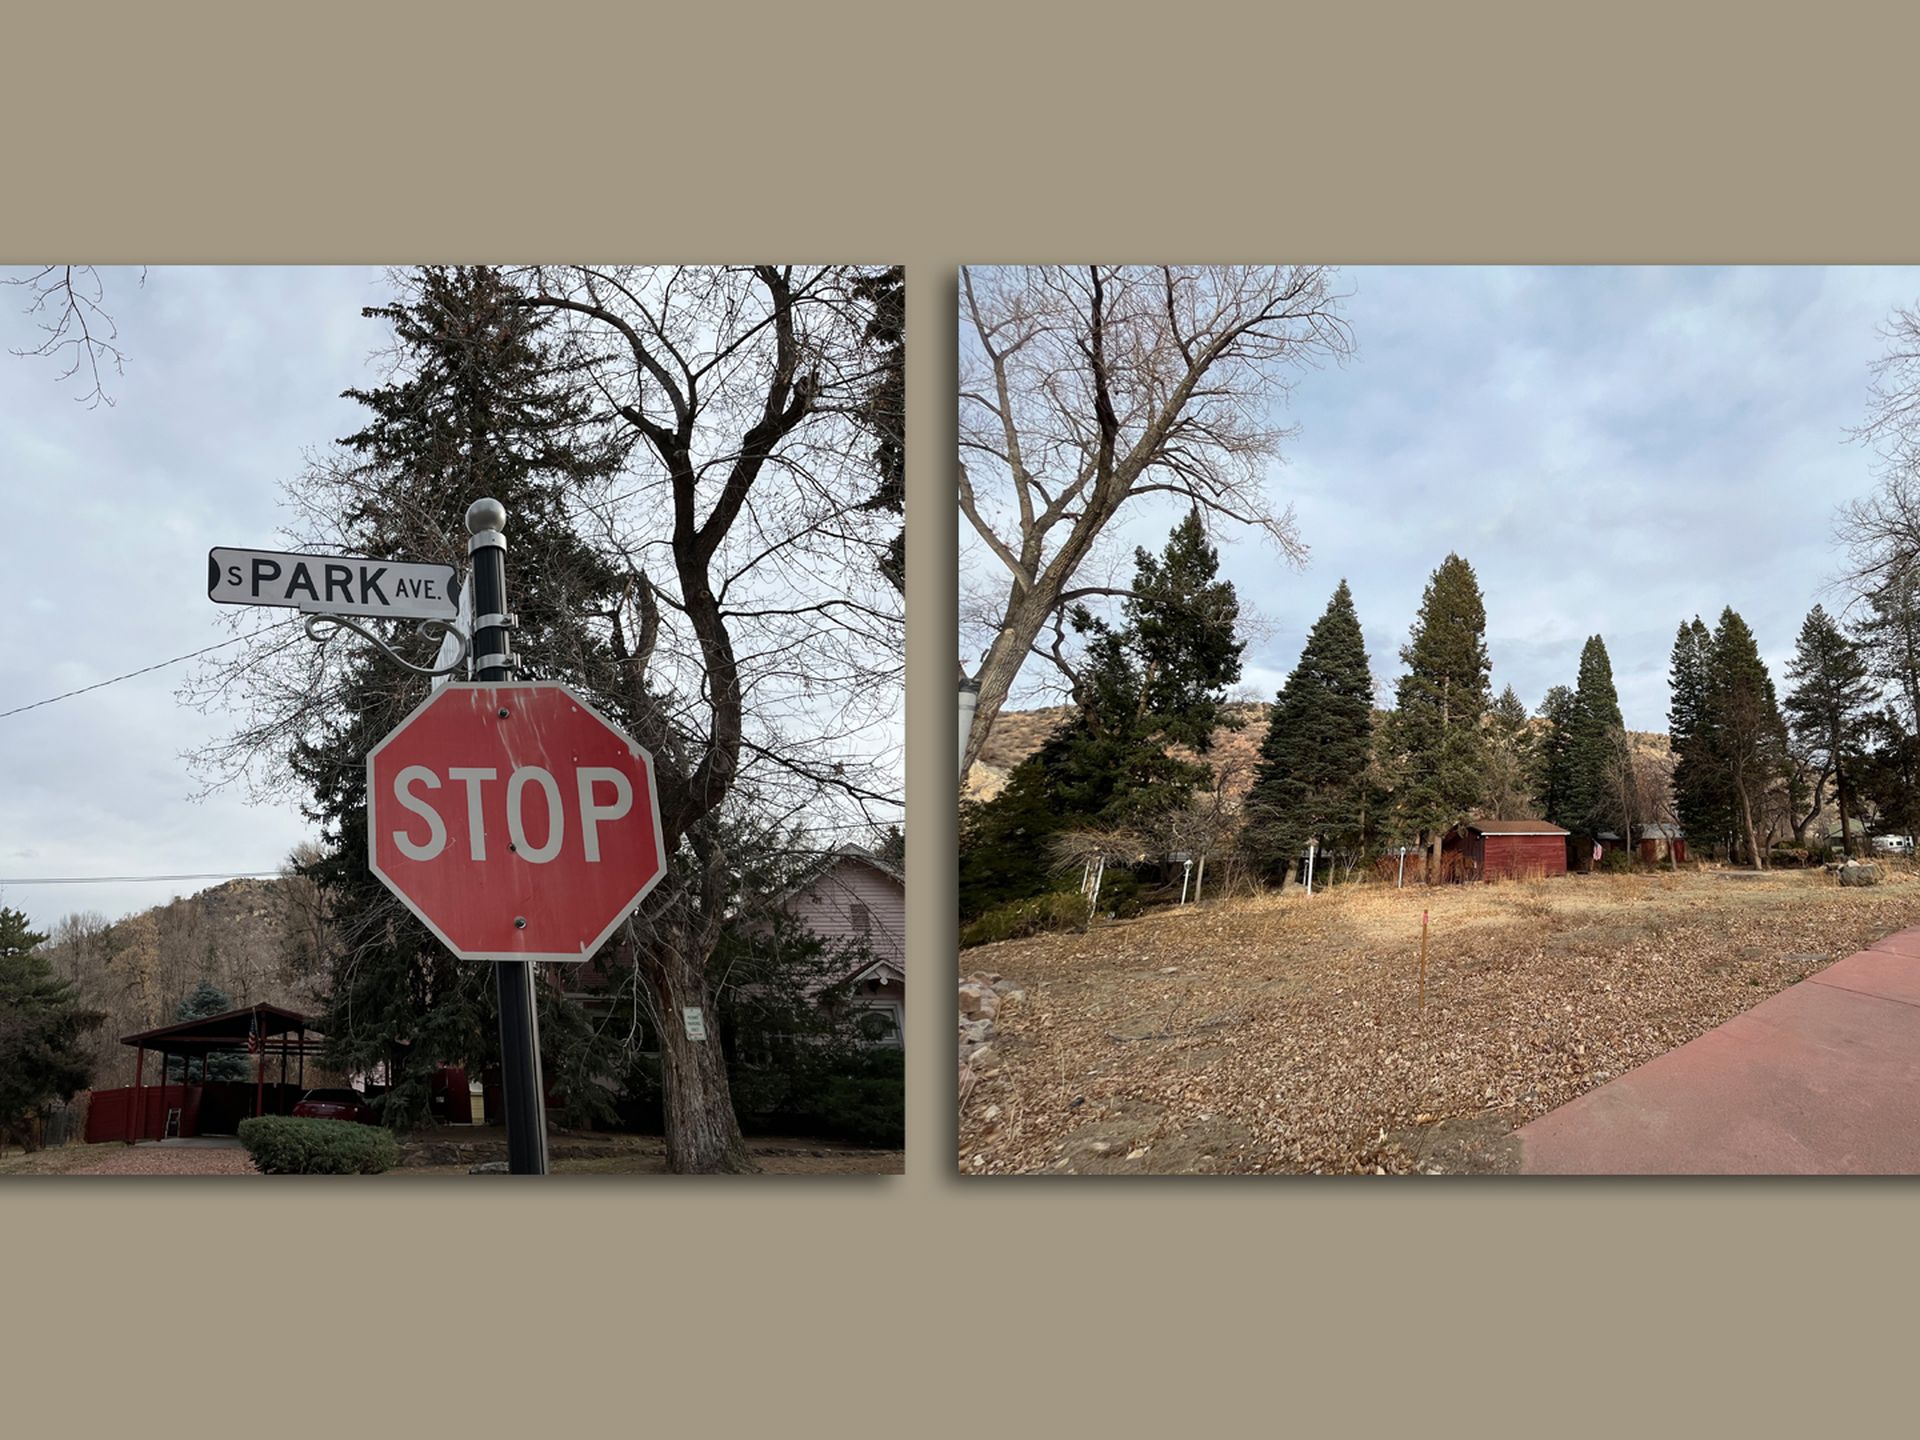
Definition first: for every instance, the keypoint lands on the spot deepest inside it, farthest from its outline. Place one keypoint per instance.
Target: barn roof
(1513, 827)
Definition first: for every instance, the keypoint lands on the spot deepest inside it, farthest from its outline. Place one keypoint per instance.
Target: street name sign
(332, 584)
(515, 820)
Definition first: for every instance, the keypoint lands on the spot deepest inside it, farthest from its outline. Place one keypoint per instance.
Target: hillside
(252, 938)
(1016, 734)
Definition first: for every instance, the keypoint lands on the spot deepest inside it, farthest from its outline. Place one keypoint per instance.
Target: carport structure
(262, 1031)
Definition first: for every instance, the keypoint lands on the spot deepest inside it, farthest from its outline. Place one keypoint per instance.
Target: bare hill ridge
(253, 939)
(1016, 734)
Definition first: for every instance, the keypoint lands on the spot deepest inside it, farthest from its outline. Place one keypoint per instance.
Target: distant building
(1507, 849)
(1661, 843)
(856, 899)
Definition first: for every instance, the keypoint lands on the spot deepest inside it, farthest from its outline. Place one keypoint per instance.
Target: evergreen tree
(1153, 684)
(1746, 735)
(476, 407)
(43, 1054)
(1551, 780)
(1596, 746)
(203, 1000)
(1311, 780)
(1889, 770)
(1827, 705)
(1440, 704)
(884, 409)
(1511, 759)
(1699, 789)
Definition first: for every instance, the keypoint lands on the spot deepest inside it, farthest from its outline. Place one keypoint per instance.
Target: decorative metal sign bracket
(432, 629)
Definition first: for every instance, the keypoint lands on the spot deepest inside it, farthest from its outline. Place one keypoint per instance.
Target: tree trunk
(1754, 857)
(1433, 857)
(1843, 797)
(1026, 616)
(703, 1134)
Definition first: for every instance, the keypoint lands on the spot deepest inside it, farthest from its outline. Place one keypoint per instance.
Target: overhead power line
(143, 670)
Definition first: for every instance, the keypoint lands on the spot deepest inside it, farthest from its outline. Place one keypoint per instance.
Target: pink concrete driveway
(1821, 1079)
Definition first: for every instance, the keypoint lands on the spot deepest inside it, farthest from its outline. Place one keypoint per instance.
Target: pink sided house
(853, 897)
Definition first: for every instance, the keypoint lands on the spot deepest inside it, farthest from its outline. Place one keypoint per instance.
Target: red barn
(1508, 849)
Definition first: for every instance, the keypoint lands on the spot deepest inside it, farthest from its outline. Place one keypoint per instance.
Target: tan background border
(986, 131)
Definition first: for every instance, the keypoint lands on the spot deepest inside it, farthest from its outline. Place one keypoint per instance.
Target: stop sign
(516, 821)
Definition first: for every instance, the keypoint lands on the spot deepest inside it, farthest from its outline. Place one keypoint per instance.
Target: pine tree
(1826, 706)
(1440, 703)
(1889, 769)
(1746, 735)
(203, 1000)
(1152, 684)
(476, 407)
(43, 1055)
(1700, 796)
(884, 410)
(1511, 758)
(1551, 780)
(1311, 780)
(1155, 682)
(1596, 746)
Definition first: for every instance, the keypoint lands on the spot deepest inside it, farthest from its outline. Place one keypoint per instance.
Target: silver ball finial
(486, 515)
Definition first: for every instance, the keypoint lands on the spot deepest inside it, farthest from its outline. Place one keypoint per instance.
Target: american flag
(253, 1035)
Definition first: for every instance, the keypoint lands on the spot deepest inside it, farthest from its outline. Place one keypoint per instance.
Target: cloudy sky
(231, 376)
(1614, 450)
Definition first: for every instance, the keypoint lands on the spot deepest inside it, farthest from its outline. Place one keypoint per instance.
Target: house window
(879, 1023)
(862, 918)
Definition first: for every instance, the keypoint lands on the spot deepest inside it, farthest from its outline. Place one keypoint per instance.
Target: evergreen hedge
(1059, 910)
(292, 1145)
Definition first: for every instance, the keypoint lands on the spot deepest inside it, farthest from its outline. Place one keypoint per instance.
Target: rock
(1137, 1152)
(984, 1061)
(1100, 1147)
(978, 1002)
(1854, 873)
(976, 1032)
(491, 1167)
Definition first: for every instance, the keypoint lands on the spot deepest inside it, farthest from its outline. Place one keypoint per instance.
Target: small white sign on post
(331, 584)
(454, 640)
(695, 1022)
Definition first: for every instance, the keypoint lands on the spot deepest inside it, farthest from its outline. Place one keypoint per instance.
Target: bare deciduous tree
(1082, 389)
(66, 303)
(758, 641)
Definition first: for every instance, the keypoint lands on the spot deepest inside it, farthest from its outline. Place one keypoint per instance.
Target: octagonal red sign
(516, 821)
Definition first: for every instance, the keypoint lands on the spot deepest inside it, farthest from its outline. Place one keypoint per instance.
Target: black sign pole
(519, 1017)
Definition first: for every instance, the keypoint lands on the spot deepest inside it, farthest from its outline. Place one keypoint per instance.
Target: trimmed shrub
(290, 1145)
(1058, 911)
(1617, 862)
(864, 1110)
(855, 1094)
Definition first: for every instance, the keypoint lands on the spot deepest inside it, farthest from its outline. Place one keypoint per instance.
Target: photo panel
(456, 723)
(1438, 720)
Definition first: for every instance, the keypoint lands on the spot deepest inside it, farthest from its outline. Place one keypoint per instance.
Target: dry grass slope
(1284, 1034)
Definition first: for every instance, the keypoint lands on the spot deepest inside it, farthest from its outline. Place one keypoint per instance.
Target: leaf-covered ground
(1285, 1034)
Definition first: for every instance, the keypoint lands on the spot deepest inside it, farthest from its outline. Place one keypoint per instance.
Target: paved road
(1821, 1079)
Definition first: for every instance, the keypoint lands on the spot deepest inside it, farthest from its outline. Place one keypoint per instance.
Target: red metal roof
(226, 1031)
(1513, 827)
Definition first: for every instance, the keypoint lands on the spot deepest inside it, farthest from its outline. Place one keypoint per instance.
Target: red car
(336, 1105)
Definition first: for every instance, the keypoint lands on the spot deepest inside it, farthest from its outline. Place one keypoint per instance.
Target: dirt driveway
(1285, 1034)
